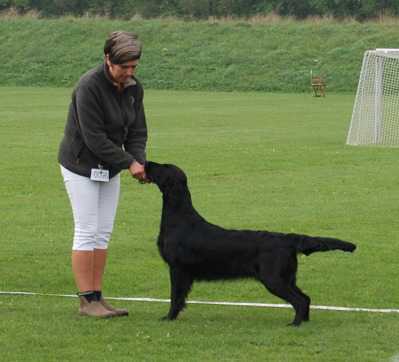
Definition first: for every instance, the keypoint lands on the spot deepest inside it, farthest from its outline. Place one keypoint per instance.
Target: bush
(202, 9)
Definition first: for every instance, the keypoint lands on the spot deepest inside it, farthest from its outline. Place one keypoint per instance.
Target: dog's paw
(294, 324)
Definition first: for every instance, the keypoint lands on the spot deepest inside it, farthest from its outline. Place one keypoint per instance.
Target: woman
(105, 133)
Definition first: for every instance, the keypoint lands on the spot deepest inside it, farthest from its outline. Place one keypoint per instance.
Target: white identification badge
(98, 174)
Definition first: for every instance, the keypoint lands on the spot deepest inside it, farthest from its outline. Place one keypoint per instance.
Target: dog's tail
(310, 244)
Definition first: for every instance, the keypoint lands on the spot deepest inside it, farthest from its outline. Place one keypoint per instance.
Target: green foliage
(254, 161)
(195, 8)
(302, 9)
(201, 9)
(4, 4)
(21, 5)
(201, 55)
(344, 8)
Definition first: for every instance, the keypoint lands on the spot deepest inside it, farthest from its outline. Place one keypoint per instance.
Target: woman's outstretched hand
(137, 170)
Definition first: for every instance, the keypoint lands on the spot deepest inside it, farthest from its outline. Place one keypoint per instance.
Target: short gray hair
(122, 47)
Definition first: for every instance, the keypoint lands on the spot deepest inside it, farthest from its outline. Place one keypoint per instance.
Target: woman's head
(122, 52)
(122, 47)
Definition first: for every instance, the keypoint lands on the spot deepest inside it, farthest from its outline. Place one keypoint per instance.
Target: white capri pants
(94, 205)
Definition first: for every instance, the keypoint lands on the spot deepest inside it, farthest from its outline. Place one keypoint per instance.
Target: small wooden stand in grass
(318, 85)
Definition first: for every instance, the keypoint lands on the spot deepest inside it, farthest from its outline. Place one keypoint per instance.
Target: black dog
(197, 250)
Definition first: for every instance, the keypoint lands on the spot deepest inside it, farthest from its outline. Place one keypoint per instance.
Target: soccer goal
(375, 116)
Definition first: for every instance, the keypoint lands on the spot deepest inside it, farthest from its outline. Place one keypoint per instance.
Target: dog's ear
(177, 192)
(148, 165)
(152, 170)
(168, 184)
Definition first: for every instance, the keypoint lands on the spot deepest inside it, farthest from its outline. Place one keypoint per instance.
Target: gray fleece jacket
(104, 126)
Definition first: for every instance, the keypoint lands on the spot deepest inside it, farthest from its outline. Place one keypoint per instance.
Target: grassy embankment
(230, 55)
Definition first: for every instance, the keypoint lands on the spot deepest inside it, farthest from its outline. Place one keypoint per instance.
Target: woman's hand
(137, 170)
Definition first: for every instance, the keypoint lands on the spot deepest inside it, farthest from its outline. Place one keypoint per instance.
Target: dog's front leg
(180, 285)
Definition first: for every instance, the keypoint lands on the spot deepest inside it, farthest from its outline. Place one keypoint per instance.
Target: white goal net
(375, 116)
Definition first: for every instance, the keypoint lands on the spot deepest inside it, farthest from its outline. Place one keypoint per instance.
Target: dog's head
(165, 176)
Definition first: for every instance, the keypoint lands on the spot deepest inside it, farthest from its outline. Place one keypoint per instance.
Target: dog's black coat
(197, 250)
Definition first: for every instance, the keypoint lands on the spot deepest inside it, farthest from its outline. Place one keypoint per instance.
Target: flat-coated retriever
(194, 249)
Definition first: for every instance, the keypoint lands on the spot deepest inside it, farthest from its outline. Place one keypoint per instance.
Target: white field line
(242, 304)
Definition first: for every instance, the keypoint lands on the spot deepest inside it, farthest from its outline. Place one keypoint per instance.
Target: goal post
(375, 115)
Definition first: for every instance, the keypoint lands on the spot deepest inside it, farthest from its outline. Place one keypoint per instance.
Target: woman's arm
(93, 131)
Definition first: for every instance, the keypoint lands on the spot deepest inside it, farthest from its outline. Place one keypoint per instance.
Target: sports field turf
(257, 161)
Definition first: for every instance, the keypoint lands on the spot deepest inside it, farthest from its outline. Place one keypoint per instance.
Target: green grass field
(259, 161)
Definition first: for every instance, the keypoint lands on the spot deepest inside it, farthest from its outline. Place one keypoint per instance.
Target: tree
(298, 8)
(343, 8)
(361, 9)
(4, 4)
(196, 8)
(20, 5)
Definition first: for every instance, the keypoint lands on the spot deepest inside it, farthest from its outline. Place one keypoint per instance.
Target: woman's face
(121, 73)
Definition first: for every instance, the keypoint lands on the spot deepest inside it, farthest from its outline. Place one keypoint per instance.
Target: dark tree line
(202, 9)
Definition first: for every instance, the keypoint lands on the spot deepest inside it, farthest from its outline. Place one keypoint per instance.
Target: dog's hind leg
(306, 299)
(277, 287)
(180, 286)
(290, 277)
(275, 273)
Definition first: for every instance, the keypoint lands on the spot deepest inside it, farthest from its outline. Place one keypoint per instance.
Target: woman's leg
(99, 262)
(84, 197)
(108, 204)
(82, 268)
